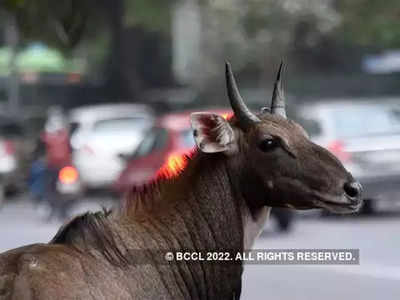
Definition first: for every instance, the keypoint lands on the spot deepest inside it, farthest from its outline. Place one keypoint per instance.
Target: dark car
(18, 141)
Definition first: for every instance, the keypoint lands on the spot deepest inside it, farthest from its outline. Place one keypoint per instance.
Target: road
(377, 276)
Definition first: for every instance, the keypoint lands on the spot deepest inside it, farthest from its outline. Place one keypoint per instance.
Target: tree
(369, 23)
(58, 23)
(98, 28)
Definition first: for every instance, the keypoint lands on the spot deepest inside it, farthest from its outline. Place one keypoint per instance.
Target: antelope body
(220, 200)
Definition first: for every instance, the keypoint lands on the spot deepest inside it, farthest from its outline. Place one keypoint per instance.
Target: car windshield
(120, 126)
(360, 121)
(187, 139)
(155, 140)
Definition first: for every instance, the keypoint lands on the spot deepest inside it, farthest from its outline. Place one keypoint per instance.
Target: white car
(100, 134)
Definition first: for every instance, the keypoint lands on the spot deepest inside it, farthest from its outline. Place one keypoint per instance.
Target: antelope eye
(268, 144)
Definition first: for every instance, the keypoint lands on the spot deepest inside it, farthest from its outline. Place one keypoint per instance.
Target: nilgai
(219, 201)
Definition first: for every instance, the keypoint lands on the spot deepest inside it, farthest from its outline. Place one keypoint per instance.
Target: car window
(155, 140)
(120, 126)
(187, 139)
(366, 120)
(10, 130)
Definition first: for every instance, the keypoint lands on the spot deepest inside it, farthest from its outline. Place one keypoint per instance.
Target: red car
(163, 146)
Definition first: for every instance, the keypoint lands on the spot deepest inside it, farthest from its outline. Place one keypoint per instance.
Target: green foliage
(14, 4)
(57, 23)
(366, 23)
(154, 15)
(370, 23)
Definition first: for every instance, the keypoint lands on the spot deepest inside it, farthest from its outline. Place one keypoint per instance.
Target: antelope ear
(212, 132)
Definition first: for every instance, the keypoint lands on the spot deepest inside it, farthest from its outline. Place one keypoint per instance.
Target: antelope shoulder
(41, 272)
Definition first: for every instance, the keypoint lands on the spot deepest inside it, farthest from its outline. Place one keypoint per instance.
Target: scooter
(68, 182)
(54, 191)
(68, 190)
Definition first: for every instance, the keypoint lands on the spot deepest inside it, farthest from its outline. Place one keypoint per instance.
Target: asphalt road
(377, 276)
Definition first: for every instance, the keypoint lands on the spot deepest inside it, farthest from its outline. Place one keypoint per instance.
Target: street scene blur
(96, 97)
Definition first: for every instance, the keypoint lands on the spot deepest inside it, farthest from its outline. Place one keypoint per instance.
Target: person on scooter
(58, 155)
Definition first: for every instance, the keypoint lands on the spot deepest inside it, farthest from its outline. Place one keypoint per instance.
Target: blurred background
(95, 97)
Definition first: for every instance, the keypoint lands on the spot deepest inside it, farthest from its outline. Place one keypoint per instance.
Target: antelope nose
(353, 189)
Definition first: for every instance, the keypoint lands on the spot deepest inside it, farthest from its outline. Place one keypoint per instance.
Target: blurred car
(100, 134)
(8, 168)
(12, 156)
(18, 140)
(364, 135)
(10, 134)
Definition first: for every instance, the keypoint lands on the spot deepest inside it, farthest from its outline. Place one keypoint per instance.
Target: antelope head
(272, 160)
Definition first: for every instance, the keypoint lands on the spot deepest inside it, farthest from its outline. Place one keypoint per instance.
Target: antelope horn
(245, 117)
(278, 97)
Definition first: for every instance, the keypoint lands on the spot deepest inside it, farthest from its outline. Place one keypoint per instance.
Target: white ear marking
(211, 132)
